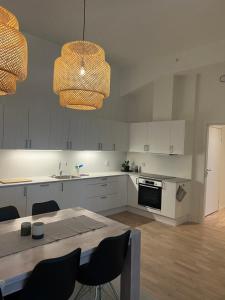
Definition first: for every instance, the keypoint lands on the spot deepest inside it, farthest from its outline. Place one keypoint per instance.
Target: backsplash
(176, 165)
(15, 163)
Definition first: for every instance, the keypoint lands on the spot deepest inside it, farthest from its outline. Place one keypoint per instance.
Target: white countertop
(49, 179)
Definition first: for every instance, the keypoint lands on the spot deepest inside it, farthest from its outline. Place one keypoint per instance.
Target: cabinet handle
(67, 145)
(99, 146)
(62, 187)
(104, 184)
(104, 178)
(30, 144)
(103, 197)
(26, 144)
(114, 147)
(146, 148)
(71, 144)
(44, 184)
(25, 191)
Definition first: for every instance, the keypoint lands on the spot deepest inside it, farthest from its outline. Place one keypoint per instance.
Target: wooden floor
(182, 263)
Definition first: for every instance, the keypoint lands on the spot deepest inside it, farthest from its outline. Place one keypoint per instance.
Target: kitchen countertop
(49, 179)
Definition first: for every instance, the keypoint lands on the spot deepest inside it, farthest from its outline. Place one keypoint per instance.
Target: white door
(212, 171)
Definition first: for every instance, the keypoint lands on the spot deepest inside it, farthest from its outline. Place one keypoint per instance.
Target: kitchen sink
(64, 176)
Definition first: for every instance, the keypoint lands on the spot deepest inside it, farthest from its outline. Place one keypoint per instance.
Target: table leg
(130, 278)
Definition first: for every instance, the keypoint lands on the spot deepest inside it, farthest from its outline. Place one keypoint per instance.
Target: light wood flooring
(186, 262)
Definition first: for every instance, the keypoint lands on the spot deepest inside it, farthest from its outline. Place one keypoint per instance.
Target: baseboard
(113, 211)
(162, 219)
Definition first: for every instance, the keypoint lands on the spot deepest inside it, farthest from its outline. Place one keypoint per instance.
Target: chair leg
(114, 291)
(98, 292)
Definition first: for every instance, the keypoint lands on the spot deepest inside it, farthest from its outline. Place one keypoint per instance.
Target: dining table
(17, 263)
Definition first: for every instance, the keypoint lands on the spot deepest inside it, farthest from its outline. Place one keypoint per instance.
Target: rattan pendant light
(81, 75)
(13, 53)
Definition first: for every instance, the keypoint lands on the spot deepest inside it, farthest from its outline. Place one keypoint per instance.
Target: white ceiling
(129, 30)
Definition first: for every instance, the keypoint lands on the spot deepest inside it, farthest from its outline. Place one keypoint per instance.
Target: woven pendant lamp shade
(82, 76)
(13, 53)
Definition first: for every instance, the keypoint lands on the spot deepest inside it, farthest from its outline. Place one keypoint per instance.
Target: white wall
(177, 166)
(25, 163)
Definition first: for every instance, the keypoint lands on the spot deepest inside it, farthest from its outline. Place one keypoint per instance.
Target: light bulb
(82, 71)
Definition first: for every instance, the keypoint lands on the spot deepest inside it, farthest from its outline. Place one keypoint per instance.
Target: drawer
(103, 188)
(100, 180)
(104, 202)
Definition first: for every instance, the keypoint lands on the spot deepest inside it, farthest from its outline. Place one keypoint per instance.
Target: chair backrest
(44, 207)
(108, 259)
(53, 278)
(1, 298)
(8, 213)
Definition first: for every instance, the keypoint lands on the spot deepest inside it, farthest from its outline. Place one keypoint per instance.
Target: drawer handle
(103, 197)
(44, 184)
(105, 184)
(104, 178)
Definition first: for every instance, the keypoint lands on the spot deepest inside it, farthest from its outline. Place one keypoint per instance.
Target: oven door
(150, 196)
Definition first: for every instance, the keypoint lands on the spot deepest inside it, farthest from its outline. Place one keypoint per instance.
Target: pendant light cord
(84, 21)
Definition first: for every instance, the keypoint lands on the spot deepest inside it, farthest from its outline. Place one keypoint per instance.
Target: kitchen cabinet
(132, 190)
(76, 139)
(15, 196)
(159, 137)
(139, 137)
(15, 127)
(38, 127)
(72, 194)
(121, 136)
(171, 207)
(106, 137)
(43, 192)
(59, 129)
(92, 138)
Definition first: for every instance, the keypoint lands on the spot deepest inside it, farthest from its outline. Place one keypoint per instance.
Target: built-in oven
(150, 193)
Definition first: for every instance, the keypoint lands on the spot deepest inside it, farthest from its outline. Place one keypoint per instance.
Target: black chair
(106, 263)
(51, 279)
(44, 207)
(8, 213)
(1, 298)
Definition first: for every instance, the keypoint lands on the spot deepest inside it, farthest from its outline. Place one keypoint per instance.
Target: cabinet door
(92, 135)
(132, 196)
(77, 131)
(43, 192)
(72, 195)
(59, 130)
(15, 196)
(1, 124)
(138, 137)
(121, 133)
(15, 127)
(106, 138)
(39, 127)
(177, 137)
(160, 137)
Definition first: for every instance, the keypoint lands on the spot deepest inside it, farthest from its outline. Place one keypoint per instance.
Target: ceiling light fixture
(81, 74)
(13, 53)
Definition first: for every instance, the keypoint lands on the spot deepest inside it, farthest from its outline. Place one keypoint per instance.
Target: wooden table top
(20, 264)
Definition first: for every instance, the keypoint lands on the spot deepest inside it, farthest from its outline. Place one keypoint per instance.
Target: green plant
(125, 164)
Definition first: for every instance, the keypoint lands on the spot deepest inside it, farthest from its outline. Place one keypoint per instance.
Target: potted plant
(125, 166)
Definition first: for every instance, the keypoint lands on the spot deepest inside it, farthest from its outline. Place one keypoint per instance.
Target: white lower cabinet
(15, 196)
(72, 194)
(132, 189)
(171, 207)
(43, 192)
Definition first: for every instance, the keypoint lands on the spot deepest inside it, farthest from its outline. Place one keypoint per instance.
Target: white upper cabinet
(139, 137)
(121, 136)
(92, 136)
(77, 132)
(58, 132)
(1, 124)
(15, 127)
(106, 136)
(178, 137)
(38, 127)
(160, 137)
(159, 133)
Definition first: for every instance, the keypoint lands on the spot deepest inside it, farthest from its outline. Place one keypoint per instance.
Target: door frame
(208, 125)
